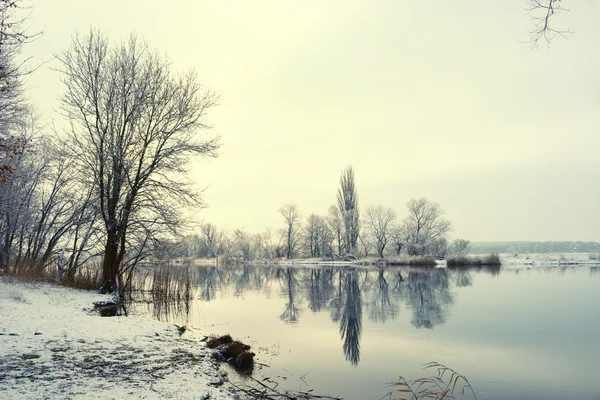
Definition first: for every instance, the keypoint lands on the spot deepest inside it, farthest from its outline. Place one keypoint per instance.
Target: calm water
(515, 334)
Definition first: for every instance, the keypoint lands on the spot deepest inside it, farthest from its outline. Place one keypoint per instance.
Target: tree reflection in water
(351, 321)
(428, 295)
(343, 292)
(292, 311)
(382, 308)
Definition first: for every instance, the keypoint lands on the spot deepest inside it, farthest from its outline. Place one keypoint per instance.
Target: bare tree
(460, 247)
(317, 236)
(423, 226)
(292, 220)
(40, 206)
(211, 238)
(379, 224)
(243, 243)
(336, 226)
(347, 199)
(13, 34)
(542, 13)
(14, 109)
(134, 127)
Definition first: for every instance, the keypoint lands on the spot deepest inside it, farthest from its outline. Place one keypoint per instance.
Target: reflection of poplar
(351, 322)
(292, 312)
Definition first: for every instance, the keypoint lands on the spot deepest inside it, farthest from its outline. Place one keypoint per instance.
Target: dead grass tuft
(440, 386)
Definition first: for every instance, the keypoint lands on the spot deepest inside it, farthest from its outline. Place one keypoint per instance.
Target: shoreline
(53, 345)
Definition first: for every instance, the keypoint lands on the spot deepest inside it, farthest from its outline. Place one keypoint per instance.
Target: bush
(491, 260)
(413, 261)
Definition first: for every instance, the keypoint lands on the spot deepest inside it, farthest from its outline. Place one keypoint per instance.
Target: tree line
(342, 234)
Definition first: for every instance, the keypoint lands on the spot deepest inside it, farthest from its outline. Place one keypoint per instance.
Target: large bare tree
(379, 222)
(347, 200)
(134, 127)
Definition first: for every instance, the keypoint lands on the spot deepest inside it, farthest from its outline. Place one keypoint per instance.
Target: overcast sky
(434, 99)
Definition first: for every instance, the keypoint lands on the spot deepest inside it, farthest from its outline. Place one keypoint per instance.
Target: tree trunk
(110, 265)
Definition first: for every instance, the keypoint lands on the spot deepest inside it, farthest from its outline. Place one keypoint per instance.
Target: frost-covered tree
(14, 110)
(459, 247)
(347, 202)
(424, 227)
(243, 244)
(379, 223)
(292, 229)
(210, 236)
(317, 237)
(134, 127)
(336, 227)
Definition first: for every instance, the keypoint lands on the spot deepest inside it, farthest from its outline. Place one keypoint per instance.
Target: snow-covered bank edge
(507, 260)
(53, 346)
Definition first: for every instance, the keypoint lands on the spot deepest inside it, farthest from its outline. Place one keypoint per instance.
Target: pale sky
(443, 100)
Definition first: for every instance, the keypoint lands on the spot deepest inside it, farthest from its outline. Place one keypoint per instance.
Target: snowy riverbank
(53, 346)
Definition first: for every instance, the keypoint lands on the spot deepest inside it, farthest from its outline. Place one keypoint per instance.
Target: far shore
(506, 260)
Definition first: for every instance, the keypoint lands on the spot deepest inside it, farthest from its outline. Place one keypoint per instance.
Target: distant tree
(336, 226)
(366, 245)
(326, 239)
(460, 247)
(243, 243)
(292, 235)
(317, 236)
(211, 238)
(424, 227)
(134, 127)
(379, 223)
(226, 243)
(438, 247)
(398, 238)
(347, 200)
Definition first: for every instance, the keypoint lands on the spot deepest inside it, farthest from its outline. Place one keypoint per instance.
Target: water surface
(345, 331)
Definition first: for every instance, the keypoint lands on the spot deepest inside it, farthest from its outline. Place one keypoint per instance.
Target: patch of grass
(491, 260)
(440, 386)
(87, 278)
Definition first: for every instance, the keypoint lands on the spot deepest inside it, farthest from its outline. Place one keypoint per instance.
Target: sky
(443, 100)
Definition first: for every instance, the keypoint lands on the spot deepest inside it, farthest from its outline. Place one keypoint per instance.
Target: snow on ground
(52, 346)
(548, 259)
